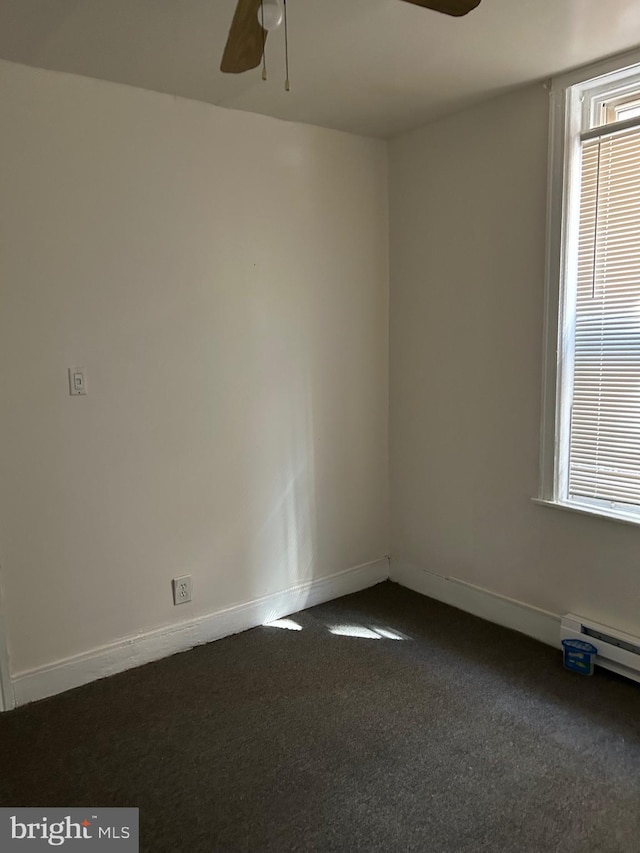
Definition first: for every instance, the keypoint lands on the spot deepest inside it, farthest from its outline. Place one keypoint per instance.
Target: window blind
(604, 453)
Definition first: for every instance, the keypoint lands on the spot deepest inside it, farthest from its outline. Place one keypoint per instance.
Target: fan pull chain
(264, 42)
(287, 85)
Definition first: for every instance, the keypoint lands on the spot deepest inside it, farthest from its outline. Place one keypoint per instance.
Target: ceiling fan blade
(245, 43)
(457, 8)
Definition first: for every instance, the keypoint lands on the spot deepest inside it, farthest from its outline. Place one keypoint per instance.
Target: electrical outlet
(181, 589)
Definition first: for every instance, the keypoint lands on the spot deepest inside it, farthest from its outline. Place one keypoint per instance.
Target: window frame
(574, 98)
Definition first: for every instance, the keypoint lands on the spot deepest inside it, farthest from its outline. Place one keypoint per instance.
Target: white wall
(224, 279)
(467, 213)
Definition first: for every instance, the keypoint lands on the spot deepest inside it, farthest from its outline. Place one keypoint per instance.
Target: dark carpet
(462, 736)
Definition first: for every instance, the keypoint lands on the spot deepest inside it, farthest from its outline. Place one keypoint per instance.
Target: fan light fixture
(270, 14)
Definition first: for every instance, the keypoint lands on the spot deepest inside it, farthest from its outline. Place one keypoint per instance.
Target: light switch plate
(77, 381)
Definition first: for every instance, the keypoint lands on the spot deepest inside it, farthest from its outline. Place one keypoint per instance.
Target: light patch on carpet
(288, 624)
(388, 634)
(354, 631)
(365, 633)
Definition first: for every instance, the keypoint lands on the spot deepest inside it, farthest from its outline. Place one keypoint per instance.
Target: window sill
(611, 515)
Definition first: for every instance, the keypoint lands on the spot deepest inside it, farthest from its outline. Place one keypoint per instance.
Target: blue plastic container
(578, 656)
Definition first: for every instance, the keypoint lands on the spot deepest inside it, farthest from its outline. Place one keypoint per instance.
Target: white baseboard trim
(142, 648)
(139, 649)
(508, 612)
(7, 699)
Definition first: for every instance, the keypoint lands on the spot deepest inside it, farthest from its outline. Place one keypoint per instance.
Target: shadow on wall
(288, 536)
(271, 426)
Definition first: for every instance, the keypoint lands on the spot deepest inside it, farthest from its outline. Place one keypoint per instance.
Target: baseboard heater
(616, 651)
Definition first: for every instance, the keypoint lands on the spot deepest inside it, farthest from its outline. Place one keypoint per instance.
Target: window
(591, 412)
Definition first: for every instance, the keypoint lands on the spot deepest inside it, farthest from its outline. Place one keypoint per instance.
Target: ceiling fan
(247, 36)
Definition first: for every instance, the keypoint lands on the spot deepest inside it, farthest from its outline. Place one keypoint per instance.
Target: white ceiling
(376, 67)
